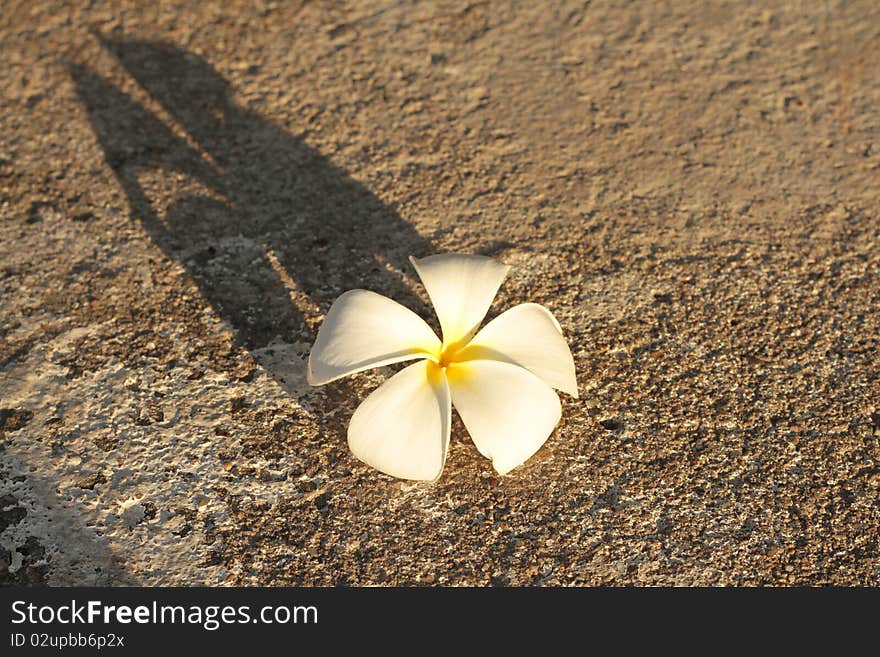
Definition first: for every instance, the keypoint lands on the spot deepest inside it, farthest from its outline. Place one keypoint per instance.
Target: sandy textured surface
(692, 188)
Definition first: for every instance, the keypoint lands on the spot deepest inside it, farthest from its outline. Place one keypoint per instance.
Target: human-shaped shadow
(260, 191)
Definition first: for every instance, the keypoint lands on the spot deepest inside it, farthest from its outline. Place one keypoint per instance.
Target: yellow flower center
(447, 353)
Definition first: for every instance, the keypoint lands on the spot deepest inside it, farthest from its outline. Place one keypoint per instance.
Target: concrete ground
(692, 188)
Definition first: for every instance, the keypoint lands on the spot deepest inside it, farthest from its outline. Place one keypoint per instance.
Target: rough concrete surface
(691, 187)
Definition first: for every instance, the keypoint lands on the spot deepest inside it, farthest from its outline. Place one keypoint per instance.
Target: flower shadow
(269, 229)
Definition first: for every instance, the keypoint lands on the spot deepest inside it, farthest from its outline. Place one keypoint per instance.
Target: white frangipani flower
(499, 379)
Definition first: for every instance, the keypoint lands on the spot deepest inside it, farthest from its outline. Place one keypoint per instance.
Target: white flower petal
(508, 411)
(402, 428)
(363, 330)
(529, 336)
(461, 288)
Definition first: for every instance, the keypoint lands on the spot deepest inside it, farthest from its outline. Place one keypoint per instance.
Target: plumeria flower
(499, 379)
